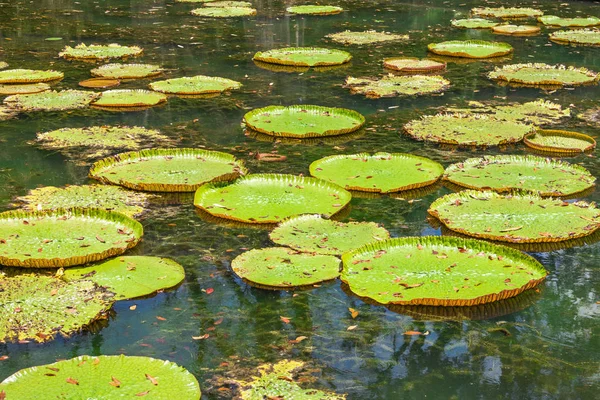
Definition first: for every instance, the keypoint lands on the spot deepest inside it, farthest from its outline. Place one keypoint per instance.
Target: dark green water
(552, 351)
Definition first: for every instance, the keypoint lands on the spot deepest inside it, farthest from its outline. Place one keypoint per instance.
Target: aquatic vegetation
(104, 377)
(540, 74)
(129, 98)
(560, 141)
(214, 3)
(439, 271)
(3, 64)
(554, 20)
(413, 65)
(7, 113)
(473, 23)
(99, 83)
(224, 12)
(199, 84)
(506, 12)
(51, 100)
(471, 48)
(516, 30)
(304, 56)
(29, 76)
(364, 37)
(310, 9)
(392, 85)
(127, 71)
(23, 89)
(518, 218)
(99, 52)
(589, 37)
(167, 170)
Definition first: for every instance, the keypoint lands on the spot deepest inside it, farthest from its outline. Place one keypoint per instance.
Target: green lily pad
(380, 172)
(506, 12)
(467, 130)
(242, 4)
(199, 84)
(129, 98)
(304, 56)
(53, 39)
(282, 267)
(392, 85)
(471, 48)
(314, 234)
(3, 65)
(38, 307)
(224, 12)
(413, 65)
(559, 141)
(99, 52)
(590, 37)
(129, 277)
(127, 71)
(29, 76)
(64, 237)
(106, 197)
(167, 170)
(364, 37)
(194, 1)
(23, 89)
(103, 377)
(310, 9)
(554, 20)
(303, 121)
(516, 29)
(540, 74)
(270, 198)
(546, 176)
(518, 218)
(439, 271)
(51, 100)
(473, 23)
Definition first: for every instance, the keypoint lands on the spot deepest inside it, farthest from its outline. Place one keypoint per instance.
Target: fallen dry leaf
(353, 312)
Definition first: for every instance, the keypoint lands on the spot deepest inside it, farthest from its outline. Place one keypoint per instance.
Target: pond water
(549, 342)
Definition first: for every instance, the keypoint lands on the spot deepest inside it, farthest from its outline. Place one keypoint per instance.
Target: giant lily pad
(519, 218)
(29, 76)
(304, 56)
(413, 65)
(505, 173)
(543, 74)
(392, 85)
(380, 172)
(99, 52)
(282, 267)
(243, 4)
(64, 237)
(129, 277)
(23, 89)
(99, 83)
(439, 271)
(554, 20)
(224, 12)
(303, 121)
(506, 12)
(473, 23)
(365, 37)
(314, 234)
(127, 71)
(199, 84)
(471, 48)
(467, 130)
(589, 37)
(167, 170)
(310, 9)
(516, 30)
(51, 100)
(38, 307)
(271, 198)
(129, 98)
(558, 141)
(103, 377)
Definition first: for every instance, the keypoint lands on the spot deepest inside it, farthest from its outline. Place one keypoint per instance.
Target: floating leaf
(516, 30)
(473, 23)
(224, 12)
(23, 89)
(364, 37)
(99, 83)
(310, 9)
(506, 12)
(127, 71)
(590, 37)
(554, 20)
(51, 100)
(413, 65)
(199, 84)
(29, 76)
(99, 52)
(543, 74)
(304, 56)
(392, 85)
(471, 48)
(243, 4)
(129, 98)
(559, 141)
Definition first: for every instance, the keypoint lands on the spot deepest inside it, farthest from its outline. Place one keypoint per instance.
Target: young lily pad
(129, 277)
(51, 100)
(129, 98)
(23, 89)
(506, 12)
(243, 4)
(224, 12)
(473, 23)
(380, 172)
(518, 218)
(99, 83)
(516, 30)
(413, 65)
(590, 37)
(540, 74)
(314, 234)
(467, 130)
(546, 176)
(199, 84)
(558, 141)
(554, 20)
(282, 267)
(99, 52)
(304, 56)
(29, 76)
(270, 198)
(167, 170)
(471, 48)
(303, 121)
(64, 237)
(439, 271)
(365, 37)
(38, 307)
(127, 71)
(107, 197)
(310, 9)
(103, 377)
(392, 85)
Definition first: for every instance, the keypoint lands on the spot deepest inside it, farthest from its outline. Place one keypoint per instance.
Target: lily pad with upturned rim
(127, 71)
(303, 121)
(129, 98)
(471, 48)
(540, 74)
(51, 100)
(215, 3)
(167, 170)
(23, 89)
(590, 37)
(99, 83)
(99, 52)
(505, 173)
(199, 84)
(304, 56)
(473, 23)
(271, 198)
(439, 271)
(364, 37)
(29, 76)
(413, 65)
(516, 30)
(315, 234)
(224, 12)
(506, 12)
(392, 85)
(554, 20)
(313, 9)
(103, 377)
(559, 141)
(517, 218)
(379, 172)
